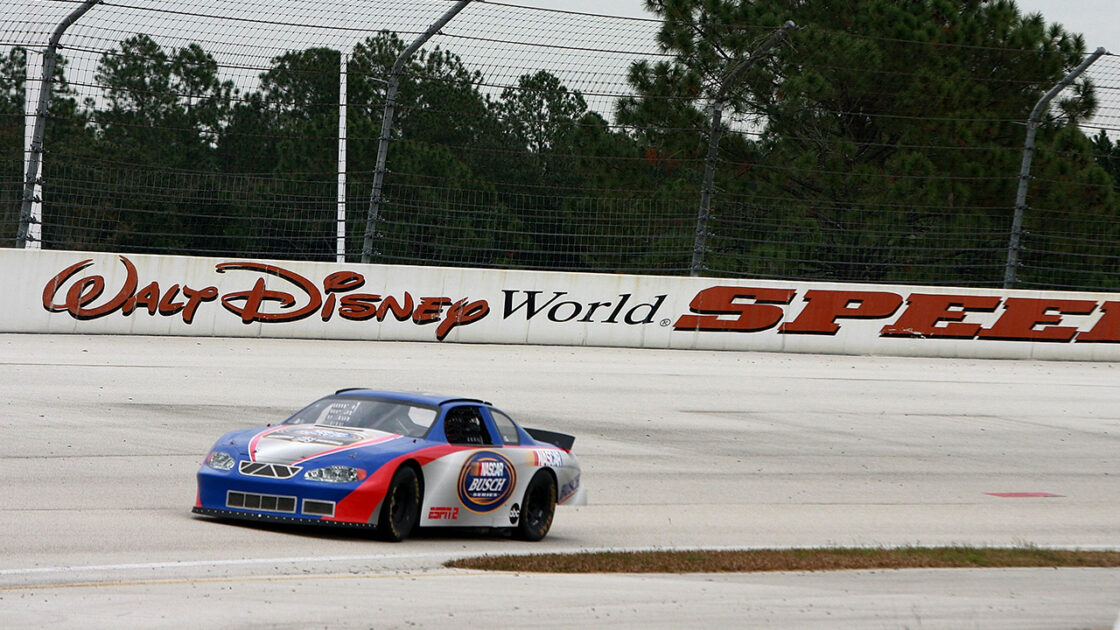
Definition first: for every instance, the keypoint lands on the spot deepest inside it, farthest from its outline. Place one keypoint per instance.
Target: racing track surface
(102, 437)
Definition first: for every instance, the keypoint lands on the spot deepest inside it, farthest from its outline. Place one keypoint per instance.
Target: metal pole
(34, 160)
(700, 242)
(701, 239)
(375, 196)
(1025, 169)
(33, 86)
(340, 228)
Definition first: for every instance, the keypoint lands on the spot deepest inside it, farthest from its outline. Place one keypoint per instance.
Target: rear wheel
(400, 511)
(538, 507)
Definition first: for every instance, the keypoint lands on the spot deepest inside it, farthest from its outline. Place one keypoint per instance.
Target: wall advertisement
(98, 293)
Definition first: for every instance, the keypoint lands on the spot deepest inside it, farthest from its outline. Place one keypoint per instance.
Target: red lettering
(462, 313)
(167, 305)
(340, 281)
(400, 311)
(195, 298)
(1022, 318)
(147, 297)
(250, 311)
(823, 308)
(53, 285)
(924, 312)
(1107, 329)
(87, 290)
(83, 292)
(253, 300)
(358, 307)
(430, 309)
(714, 302)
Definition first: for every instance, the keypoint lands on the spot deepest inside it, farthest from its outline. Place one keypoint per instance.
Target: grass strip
(822, 559)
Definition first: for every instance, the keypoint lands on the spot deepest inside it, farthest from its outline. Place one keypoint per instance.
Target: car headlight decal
(220, 460)
(336, 474)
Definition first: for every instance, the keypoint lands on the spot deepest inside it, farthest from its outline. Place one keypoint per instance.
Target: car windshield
(391, 416)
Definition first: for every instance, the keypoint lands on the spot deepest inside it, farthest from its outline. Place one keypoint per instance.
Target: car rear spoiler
(562, 440)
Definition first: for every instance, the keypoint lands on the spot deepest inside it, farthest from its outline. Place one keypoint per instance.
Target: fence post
(340, 227)
(1033, 122)
(32, 87)
(375, 195)
(26, 237)
(700, 243)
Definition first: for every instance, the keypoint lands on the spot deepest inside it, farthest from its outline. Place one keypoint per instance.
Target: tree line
(879, 142)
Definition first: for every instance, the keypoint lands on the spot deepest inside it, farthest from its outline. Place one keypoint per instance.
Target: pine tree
(880, 142)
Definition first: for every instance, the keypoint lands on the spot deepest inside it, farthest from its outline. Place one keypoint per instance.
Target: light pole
(376, 197)
(1025, 169)
(28, 237)
(701, 239)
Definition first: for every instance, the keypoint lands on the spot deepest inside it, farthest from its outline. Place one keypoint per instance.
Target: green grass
(823, 559)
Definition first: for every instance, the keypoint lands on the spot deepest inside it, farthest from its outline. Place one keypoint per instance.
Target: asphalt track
(101, 437)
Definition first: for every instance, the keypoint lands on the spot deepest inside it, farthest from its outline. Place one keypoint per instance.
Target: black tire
(537, 508)
(400, 511)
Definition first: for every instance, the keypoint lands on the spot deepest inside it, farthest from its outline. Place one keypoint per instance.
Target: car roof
(423, 398)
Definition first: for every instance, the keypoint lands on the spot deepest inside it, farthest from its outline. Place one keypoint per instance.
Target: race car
(391, 462)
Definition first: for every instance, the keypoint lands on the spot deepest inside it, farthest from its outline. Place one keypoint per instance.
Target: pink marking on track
(1023, 495)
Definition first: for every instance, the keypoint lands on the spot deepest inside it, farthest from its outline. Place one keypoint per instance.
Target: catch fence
(542, 139)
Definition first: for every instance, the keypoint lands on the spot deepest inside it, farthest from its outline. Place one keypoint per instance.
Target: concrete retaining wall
(75, 292)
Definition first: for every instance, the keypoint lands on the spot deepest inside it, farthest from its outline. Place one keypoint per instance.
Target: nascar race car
(392, 462)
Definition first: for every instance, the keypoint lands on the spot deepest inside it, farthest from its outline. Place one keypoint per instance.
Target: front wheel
(400, 511)
(538, 507)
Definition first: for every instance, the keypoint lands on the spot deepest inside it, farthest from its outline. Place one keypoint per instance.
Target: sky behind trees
(1098, 20)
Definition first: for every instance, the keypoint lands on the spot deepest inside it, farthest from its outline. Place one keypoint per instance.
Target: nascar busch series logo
(486, 481)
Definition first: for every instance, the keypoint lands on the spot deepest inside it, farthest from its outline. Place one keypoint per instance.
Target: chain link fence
(543, 139)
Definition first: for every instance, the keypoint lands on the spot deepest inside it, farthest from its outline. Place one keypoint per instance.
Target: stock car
(392, 462)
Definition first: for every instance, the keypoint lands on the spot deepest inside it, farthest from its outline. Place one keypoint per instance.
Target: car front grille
(318, 508)
(273, 471)
(264, 502)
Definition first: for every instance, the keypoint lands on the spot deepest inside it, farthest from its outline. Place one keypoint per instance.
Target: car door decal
(486, 481)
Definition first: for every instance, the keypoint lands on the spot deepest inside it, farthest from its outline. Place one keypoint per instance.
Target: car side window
(506, 428)
(464, 425)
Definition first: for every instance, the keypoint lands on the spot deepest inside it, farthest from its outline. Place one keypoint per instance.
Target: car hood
(294, 443)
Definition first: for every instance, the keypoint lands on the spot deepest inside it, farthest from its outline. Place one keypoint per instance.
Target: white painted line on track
(441, 554)
(354, 558)
(220, 563)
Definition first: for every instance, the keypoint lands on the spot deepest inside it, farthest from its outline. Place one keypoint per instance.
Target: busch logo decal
(486, 481)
